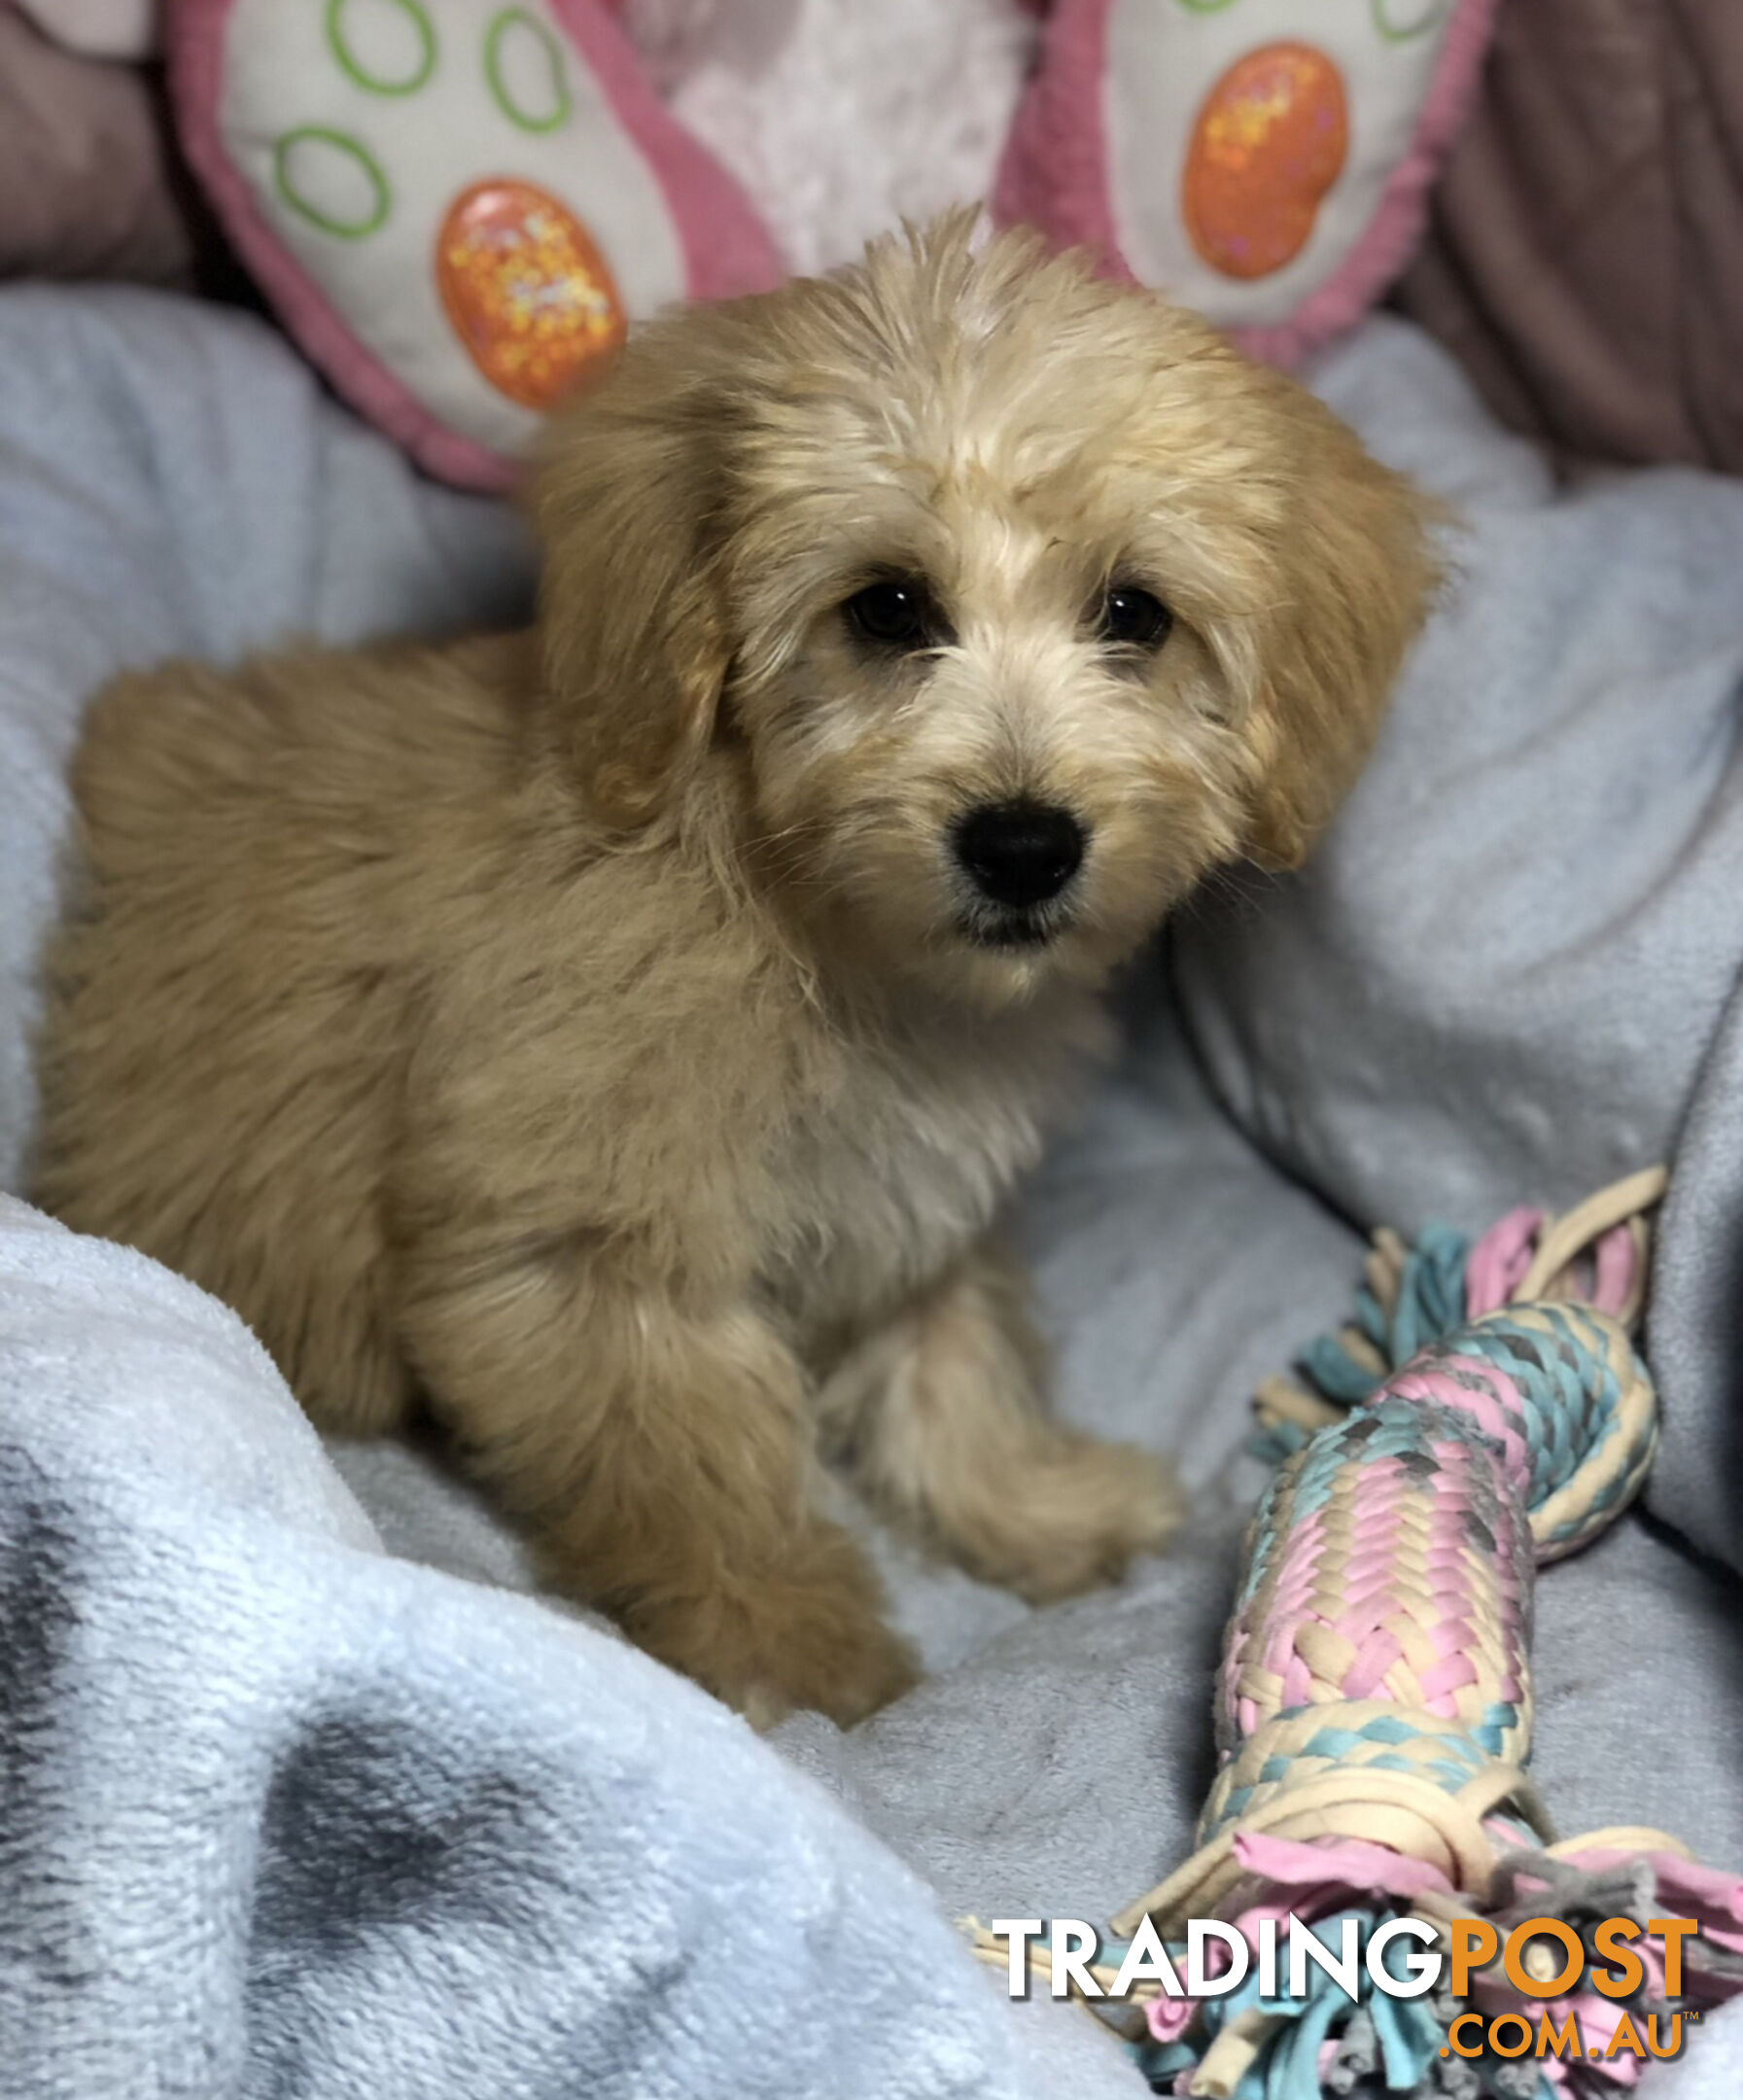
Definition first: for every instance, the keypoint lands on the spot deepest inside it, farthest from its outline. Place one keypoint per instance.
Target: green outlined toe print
(524, 64)
(385, 47)
(1398, 20)
(332, 181)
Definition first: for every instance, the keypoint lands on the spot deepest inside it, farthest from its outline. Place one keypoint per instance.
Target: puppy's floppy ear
(631, 615)
(1357, 576)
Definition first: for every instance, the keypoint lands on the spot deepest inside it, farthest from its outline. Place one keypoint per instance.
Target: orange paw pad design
(1269, 141)
(527, 291)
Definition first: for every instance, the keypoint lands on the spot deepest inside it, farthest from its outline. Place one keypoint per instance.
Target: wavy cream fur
(575, 1033)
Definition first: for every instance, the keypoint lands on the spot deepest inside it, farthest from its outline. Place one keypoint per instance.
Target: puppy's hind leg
(658, 1457)
(942, 1417)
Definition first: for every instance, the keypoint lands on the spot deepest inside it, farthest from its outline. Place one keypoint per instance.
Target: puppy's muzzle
(1019, 854)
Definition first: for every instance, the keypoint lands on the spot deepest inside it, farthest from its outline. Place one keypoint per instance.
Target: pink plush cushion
(455, 219)
(1262, 160)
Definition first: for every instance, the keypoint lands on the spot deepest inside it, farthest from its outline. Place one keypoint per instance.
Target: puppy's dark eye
(1135, 618)
(896, 612)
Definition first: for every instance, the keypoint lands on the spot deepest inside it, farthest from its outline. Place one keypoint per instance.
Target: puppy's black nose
(1020, 853)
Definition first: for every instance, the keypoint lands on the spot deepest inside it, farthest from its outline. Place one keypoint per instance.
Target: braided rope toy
(1485, 1412)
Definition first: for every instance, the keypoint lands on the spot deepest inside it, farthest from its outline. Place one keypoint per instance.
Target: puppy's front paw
(846, 1670)
(1070, 1515)
(809, 1632)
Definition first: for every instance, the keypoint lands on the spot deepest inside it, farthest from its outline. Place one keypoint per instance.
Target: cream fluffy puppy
(616, 1039)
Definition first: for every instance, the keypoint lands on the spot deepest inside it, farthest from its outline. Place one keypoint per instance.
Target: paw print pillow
(456, 206)
(1265, 162)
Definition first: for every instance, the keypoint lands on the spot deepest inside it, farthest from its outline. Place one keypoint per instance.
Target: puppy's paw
(809, 1632)
(848, 1673)
(1070, 1515)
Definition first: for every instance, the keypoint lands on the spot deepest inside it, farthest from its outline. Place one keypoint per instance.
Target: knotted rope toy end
(1484, 1412)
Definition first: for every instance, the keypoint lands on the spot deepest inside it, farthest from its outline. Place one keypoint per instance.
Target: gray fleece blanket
(303, 1793)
